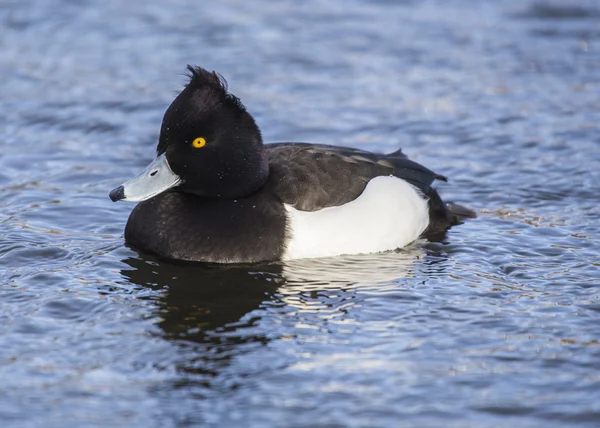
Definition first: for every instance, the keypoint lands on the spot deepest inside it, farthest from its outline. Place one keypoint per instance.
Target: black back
(315, 176)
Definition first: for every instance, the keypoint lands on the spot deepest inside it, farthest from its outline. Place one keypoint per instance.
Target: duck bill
(155, 179)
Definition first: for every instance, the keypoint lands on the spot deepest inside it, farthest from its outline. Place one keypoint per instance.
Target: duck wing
(311, 177)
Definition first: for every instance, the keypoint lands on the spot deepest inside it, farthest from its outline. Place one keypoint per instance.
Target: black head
(211, 141)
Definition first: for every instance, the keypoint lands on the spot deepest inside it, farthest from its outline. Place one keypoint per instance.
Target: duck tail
(443, 215)
(459, 212)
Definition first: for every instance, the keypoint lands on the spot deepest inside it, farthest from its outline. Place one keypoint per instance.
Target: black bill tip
(117, 194)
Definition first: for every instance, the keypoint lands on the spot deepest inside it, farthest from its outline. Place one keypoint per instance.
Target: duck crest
(202, 79)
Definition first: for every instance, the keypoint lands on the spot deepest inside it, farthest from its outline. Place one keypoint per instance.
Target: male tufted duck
(215, 193)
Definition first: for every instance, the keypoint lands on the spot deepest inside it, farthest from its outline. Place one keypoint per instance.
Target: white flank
(389, 214)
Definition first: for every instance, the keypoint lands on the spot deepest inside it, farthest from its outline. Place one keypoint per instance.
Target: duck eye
(199, 142)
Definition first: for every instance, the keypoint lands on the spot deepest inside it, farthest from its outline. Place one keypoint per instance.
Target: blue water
(497, 325)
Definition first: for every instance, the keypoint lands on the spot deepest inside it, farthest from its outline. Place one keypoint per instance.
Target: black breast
(185, 227)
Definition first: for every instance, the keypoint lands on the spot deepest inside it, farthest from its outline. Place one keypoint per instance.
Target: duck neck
(231, 177)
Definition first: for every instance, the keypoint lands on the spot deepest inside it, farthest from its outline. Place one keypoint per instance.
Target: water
(497, 325)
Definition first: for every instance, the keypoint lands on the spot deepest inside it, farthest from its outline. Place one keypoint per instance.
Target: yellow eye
(199, 142)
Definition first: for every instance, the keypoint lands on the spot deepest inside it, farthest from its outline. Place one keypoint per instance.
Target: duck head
(209, 146)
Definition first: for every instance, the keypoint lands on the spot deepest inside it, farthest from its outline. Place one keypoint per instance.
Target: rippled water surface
(497, 325)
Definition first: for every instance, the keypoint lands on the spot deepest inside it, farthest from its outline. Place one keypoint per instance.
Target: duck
(216, 193)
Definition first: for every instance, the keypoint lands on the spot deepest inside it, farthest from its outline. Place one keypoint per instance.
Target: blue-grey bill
(155, 179)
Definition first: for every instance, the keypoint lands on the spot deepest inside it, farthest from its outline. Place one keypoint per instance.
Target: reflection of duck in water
(201, 301)
(202, 298)
(215, 313)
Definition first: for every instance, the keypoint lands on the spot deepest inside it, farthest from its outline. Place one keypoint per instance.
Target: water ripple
(494, 324)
